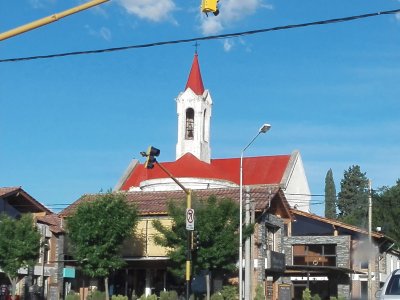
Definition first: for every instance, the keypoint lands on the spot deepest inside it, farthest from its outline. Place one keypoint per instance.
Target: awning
(320, 270)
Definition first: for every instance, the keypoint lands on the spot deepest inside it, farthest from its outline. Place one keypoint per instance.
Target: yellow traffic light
(210, 6)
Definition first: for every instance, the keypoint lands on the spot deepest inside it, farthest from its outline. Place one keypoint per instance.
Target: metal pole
(241, 220)
(188, 253)
(370, 240)
(49, 19)
(188, 234)
(247, 259)
(43, 253)
(241, 229)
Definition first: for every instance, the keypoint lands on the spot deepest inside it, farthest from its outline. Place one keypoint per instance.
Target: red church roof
(195, 83)
(256, 170)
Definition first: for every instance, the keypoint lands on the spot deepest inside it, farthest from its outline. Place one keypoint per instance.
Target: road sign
(189, 219)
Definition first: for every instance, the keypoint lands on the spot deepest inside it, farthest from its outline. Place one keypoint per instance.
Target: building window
(270, 233)
(314, 255)
(189, 134)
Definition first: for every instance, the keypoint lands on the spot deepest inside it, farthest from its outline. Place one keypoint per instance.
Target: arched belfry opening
(189, 132)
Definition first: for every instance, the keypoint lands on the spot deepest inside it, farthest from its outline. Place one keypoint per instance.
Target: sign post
(190, 219)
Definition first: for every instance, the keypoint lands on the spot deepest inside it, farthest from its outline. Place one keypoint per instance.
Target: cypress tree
(353, 197)
(330, 196)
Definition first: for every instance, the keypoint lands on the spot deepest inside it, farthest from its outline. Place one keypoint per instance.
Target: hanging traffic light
(195, 240)
(150, 157)
(210, 6)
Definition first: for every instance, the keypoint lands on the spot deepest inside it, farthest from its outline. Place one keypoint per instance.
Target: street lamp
(263, 129)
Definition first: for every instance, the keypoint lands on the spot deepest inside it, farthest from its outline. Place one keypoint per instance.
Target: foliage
(19, 245)
(330, 196)
(72, 296)
(149, 297)
(217, 222)
(96, 231)
(386, 210)
(230, 292)
(119, 297)
(306, 294)
(98, 295)
(353, 197)
(260, 295)
(338, 298)
(217, 296)
(315, 297)
(168, 295)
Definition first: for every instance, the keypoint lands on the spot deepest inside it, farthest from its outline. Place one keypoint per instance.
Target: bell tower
(194, 116)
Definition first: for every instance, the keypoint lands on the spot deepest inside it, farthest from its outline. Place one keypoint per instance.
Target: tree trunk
(106, 288)
(13, 286)
(208, 285)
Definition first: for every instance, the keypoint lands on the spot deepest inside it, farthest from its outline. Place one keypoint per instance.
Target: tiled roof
(195, 82)
(6, 190)
(155, 203)
(335, 223)
(54, 222)
(256, 170)
(22, 201)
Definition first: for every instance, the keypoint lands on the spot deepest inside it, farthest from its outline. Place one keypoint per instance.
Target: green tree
(330, 196)
(353, 197)
(19, 245)
(97, 230)
(217, 222)
(386, 210)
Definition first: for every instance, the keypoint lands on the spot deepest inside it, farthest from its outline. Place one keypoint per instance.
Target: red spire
(194, 81)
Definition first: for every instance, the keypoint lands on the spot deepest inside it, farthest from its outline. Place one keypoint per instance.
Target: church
(266, 180)
(197, 170)
(290, 249)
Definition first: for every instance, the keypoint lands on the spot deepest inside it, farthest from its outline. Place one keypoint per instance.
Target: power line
(210, 37)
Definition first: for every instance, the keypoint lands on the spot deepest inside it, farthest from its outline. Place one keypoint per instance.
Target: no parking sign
(189, 219)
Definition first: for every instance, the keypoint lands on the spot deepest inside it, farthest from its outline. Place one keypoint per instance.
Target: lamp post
(263, 129)
(370, 239)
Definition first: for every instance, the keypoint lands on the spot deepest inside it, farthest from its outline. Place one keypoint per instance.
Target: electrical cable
(210, 37)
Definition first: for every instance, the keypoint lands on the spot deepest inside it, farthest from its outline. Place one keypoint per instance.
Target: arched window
(189, 133)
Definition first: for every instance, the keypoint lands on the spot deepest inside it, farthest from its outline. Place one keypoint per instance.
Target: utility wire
(210, 37)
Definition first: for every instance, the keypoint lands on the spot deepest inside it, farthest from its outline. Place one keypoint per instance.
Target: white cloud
(40, 3)
(211, 26)
(228, 44)
(152, 10)
(230, 12)
(103, 32)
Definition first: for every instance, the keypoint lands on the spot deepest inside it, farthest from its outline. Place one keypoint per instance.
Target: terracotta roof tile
(155, 203)
(6, 190)
(54, 222)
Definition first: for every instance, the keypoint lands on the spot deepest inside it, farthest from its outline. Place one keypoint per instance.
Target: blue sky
(71, 125)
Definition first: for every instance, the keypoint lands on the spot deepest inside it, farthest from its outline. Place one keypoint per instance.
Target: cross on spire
(196, 45)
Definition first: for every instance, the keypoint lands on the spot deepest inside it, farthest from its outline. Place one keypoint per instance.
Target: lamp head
(265, 128)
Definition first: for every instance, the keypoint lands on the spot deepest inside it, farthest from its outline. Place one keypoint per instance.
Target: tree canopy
(19, 245)
(353, 197)
(97, 230)
(330, 196)
(386, 210)
(217, 223)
